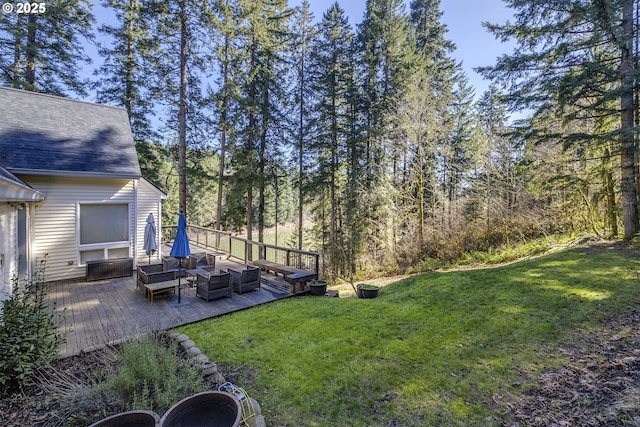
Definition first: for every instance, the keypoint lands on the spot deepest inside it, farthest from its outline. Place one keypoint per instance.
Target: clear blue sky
(463, 18)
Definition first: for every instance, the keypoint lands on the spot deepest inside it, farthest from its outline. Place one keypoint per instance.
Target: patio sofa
(245, 280)
(153, 273)
(213, 286)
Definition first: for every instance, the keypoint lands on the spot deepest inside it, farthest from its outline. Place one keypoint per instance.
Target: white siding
(149, 201)
(54, 229)
(8, 248)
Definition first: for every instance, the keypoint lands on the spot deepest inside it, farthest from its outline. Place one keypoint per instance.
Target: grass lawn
(433, 349)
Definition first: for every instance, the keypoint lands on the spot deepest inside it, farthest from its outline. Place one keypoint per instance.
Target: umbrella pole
(179, 276)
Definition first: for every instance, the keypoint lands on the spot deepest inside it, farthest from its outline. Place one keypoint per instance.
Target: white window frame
(105, 246)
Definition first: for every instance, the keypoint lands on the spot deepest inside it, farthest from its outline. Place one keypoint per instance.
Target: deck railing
(246, 250)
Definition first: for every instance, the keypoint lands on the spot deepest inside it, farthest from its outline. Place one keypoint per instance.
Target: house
(71, 189)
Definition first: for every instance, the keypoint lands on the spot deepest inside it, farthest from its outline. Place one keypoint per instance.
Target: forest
(368, 136)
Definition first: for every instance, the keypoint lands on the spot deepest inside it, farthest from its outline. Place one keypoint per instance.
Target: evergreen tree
(224, 19)
(263, 44)
(432, 47)
(175, 77)
(574, 186)
(123, 76)
(427, 127)
(387, 58)
(43, 51)
(573, 59)
(303, 35)
(333, 78)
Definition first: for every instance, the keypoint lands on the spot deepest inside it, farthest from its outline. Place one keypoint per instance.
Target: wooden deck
(109, 311)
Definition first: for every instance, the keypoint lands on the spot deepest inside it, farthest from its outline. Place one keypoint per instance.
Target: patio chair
(213, 286)
(210, 262)
(245, 280)
(201, 260)
(170, 263)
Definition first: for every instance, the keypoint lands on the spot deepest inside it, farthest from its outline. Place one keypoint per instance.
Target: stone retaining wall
(210, 371)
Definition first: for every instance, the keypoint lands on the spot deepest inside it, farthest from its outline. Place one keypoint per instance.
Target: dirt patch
(600, 386)
(37, 406)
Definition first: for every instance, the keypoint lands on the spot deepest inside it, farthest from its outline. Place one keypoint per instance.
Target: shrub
(144, 374)
(28, 332)
(150, 375)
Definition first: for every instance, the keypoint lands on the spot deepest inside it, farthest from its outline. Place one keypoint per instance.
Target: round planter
(317, 287)
(367, 291)
(206, 409)
(130, 419)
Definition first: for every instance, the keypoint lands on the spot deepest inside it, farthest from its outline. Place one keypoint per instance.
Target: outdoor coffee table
(193, 273)
(152, 289)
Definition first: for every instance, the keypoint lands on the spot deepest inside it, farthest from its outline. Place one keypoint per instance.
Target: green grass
(430, 350)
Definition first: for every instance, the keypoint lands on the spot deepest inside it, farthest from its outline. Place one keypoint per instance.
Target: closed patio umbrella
(180, 248)
(150, 245)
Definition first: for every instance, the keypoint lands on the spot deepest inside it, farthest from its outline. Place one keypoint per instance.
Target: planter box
(109, 268)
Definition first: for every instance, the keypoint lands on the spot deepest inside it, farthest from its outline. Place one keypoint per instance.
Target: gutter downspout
(135, 224)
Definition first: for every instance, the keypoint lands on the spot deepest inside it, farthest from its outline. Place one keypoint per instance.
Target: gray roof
(48, 135)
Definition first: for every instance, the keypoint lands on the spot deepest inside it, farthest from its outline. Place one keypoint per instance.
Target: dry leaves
(599, 387)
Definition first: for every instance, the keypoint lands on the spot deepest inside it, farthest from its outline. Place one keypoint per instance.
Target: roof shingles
(44, 134)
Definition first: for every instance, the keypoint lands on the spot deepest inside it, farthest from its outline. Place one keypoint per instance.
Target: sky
(474, 45)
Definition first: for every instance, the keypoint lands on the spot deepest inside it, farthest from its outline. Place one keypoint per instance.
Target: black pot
(317, 287)
(367, 291)
(130, 419)
(206, 409)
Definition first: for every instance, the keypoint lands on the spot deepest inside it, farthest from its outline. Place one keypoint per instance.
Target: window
(103, 231)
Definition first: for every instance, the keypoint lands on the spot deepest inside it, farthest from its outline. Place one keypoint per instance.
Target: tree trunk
(301, 152)
(17, 46)
(31, 51)
(334, 170)
(130, 61)
(611, 211)
(250, 146)
(223, 132)
(627, 161)
(182, 112)
(262, 164)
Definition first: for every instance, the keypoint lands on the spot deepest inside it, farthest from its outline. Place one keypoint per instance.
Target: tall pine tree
(43, 51)
(387, 54)
(123, 76)
(333, 76)
(303, 35)
(264, 26)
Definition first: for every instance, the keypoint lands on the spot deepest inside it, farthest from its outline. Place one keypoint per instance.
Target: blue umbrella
(180, 248)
